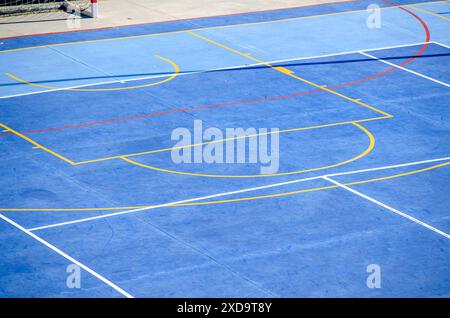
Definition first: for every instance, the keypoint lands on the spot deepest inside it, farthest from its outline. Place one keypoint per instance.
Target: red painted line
(172, 111)
(175, 20)
(246, 102)
(422, 49)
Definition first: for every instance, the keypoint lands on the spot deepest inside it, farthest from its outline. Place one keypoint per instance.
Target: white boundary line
(441, 44)
(210, 71)
(407, 216)
(68, 257)
(233, 192)
(404, 69)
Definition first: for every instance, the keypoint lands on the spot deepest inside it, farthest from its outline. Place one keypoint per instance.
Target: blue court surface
(363, 113)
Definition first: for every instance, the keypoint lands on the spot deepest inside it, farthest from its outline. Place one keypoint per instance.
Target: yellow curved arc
(398, 175)
(175, 73)
(364, 153)
(143, 153)
(282, 194)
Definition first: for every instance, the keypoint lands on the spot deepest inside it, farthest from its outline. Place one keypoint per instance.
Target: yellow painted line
(306, 17)
(180, 147)
(205, 28)
(284, 70)
(73, 209)
(37, 144)
(322, 87)
(364, 153)
(142, 153)
(288, 73)
(175, 73)
(135, 154)
(404, 174)
(428, 12)
(282, 194)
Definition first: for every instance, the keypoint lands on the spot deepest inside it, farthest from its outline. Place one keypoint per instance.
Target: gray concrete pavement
(127, 12)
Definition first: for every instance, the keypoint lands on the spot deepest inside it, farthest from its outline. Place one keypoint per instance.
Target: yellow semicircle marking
(175, 73)
(364, 153)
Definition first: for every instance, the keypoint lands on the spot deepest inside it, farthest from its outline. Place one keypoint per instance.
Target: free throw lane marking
(288, 73)
(37, 144)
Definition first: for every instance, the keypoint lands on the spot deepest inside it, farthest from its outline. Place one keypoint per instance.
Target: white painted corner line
(407, 216)
(404, 69)
(440, 44)
(184, 73)
(66, 256)
(235, 192)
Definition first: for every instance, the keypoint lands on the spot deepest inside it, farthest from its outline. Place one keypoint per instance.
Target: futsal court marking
(442, 44)
(201, 107)
(75, 87)
(326, 177)
(227, 193)
(28, 232)
(407, 216)
(80, 89)
(213, 70)
(193, 201)
(355, 122)
(289, 73)
(414, 6)
(357, 101)
(66, 256)
(391, 6)
(36, 144)
(193, 108)
(283, 71)
(405, 69)
(364, 153)
(252, 65)
(168, 149)
(279, 69)
(228, 48)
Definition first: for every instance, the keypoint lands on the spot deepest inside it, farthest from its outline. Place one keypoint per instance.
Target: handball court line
(182, 73)
(233, 192)
(66, 256)
(323, 87)
(405, 215)
(404, 69)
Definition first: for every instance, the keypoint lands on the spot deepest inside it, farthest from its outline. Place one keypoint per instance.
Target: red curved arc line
(178, 110)
(422, 49)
